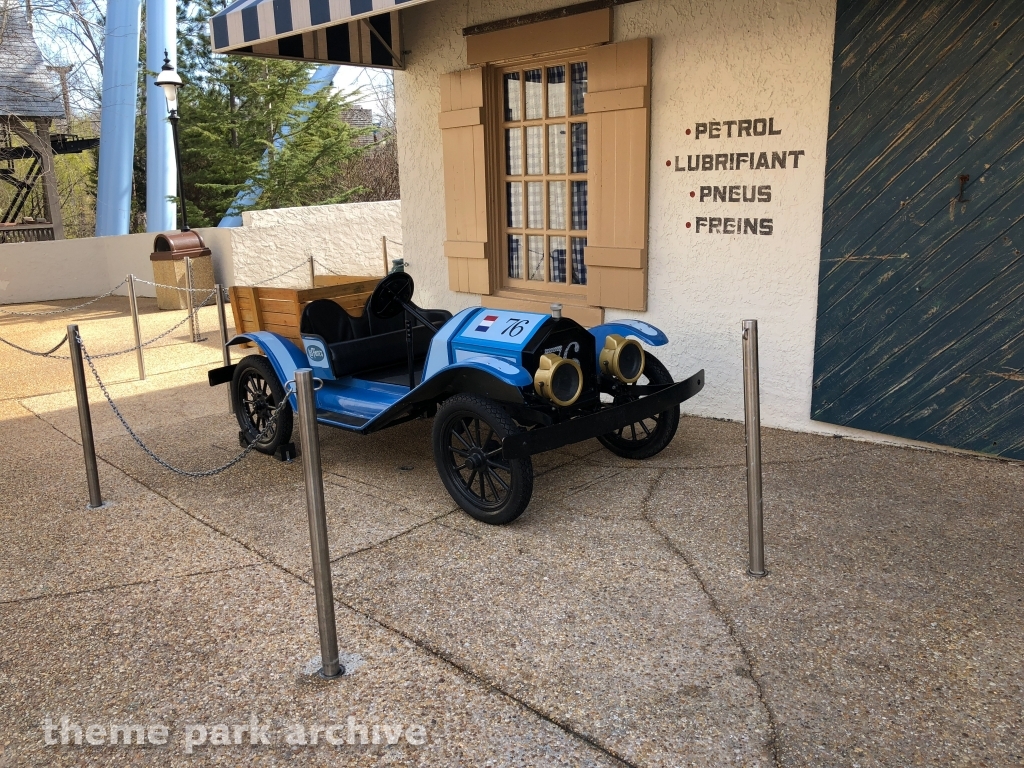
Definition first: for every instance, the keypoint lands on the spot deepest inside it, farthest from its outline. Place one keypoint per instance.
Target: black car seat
(358, 344)
(332, 323)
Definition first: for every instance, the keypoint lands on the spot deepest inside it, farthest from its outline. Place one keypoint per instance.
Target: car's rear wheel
(256, 393)
(468, 434)
(646, 438)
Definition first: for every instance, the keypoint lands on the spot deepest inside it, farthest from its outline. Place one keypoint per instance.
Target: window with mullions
(545, 192)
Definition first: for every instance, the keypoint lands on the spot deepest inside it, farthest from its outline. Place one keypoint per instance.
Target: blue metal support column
(117, 117)
(161, 176)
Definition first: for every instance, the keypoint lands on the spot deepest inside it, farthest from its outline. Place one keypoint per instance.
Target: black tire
(468, 431)
(255, 392)
(648, 437)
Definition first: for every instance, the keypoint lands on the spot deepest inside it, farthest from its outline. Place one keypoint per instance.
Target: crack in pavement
(716, 607)
(439, 653)
(419, 643)
(125, 585)
(398, 535)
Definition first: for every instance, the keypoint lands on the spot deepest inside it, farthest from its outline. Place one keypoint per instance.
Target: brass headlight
(558, 379)
(622, 358)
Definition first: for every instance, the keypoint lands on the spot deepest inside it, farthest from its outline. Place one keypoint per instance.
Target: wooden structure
(546, 164)
(27, 96)
(279, 309)
(920, 328)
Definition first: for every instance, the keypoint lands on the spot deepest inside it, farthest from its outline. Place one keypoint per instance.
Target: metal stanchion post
(84, 418)
(752, 425)
(384, 249)
(312, 272)
(133, 302)
(189, 303)
(311, 471)
(225, 350)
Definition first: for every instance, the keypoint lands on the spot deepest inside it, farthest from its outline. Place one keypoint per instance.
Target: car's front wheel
(468, 434)
(256, 393)
(648, 437)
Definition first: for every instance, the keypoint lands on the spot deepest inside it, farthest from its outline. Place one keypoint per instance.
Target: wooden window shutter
(466, 243)
(618, 110)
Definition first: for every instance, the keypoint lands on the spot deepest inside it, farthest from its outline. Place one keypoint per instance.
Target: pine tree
(246, 124)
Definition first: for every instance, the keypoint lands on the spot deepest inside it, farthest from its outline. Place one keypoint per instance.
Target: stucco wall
(344, 239)
(71, 269)
(738, 59)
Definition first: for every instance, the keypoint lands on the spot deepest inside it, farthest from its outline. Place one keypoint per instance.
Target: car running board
(341, 420)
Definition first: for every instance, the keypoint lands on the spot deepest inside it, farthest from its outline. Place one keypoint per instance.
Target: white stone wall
(343, 239)
(89, 266)
(713, 60)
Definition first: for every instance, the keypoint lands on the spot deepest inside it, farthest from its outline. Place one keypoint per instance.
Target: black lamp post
(170, 82)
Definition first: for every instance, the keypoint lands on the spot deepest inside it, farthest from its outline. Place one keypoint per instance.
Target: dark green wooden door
(920, 329)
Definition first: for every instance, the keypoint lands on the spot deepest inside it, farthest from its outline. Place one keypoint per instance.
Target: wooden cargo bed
(279, 309)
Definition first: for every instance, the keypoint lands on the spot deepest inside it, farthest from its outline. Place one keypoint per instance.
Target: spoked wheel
(646, 438)
(468, 433)
(256, 392)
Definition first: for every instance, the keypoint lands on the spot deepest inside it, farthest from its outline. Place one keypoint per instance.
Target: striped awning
(360, 32)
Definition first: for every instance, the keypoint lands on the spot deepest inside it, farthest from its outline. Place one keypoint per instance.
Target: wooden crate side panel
(245, 308)
(325, 281)
(363, 284)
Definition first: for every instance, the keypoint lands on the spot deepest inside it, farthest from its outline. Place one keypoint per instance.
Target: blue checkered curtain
(579, 205)
(514, 151)
(513, 100)
(515, 257)
(579, 269)
(556, 250)
(579, 147)
(556, 91)
(534, 94)
(556, 204)
(534, 150)
(514, 192)
(535, 254)
(535, 205)
(579, 86)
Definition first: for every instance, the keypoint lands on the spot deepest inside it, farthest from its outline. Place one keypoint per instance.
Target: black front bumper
(601, 423)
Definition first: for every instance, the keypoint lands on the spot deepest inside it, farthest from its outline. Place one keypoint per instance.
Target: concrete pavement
(612, 624)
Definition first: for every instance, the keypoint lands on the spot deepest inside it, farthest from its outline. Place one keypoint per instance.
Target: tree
(248, 125)
(70, 33)
(373, 174)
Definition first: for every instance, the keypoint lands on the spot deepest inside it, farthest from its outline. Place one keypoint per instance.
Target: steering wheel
(391, 295)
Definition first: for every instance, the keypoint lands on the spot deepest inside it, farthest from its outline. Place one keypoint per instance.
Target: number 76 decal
(515, 327)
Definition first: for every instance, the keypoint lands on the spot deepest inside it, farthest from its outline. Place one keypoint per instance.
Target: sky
(350, 78)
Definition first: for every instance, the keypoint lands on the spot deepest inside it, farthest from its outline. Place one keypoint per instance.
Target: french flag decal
(486, 323)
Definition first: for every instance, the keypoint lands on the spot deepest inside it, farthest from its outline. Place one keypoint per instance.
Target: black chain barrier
(62, 310)
(197, 474)
(168, 332)
(47, 353)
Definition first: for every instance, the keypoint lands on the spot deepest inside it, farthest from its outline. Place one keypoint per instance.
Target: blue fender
(284, 356)
(510, 373)
(493, 377)
(646, 332)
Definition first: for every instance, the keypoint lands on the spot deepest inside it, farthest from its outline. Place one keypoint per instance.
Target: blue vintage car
(501, 385)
